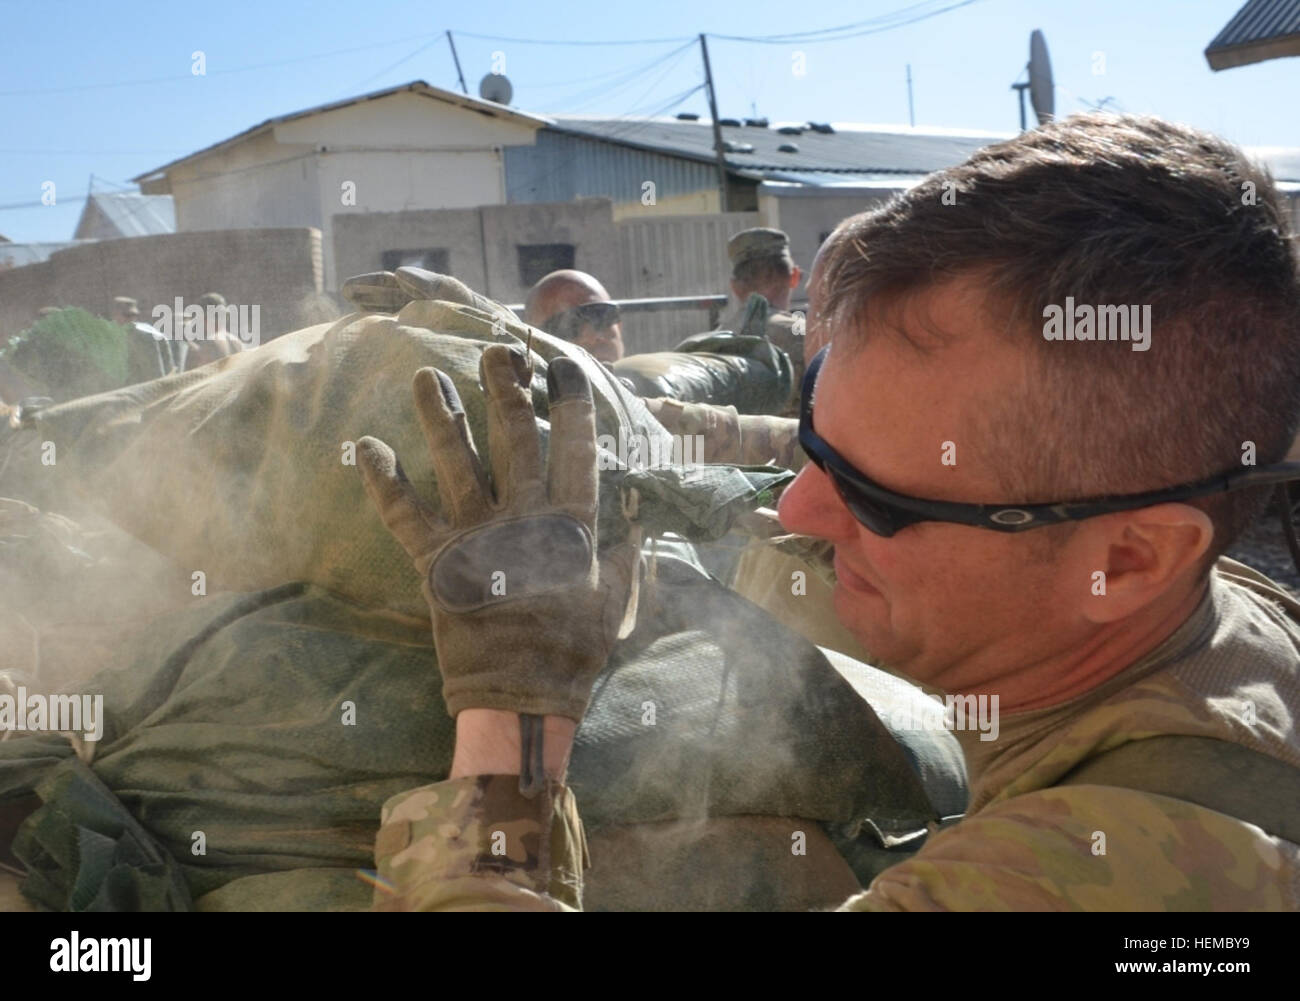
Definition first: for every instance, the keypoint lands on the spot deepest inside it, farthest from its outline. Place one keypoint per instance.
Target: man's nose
(812, 506)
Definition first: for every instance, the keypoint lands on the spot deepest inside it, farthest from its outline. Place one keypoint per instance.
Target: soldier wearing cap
(761, 264)
(149, 355)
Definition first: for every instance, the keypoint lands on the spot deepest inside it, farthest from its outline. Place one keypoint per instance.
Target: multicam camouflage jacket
(1231, 672)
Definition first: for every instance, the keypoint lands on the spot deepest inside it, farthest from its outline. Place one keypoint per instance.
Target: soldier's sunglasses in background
(568, 325)
(884, 512)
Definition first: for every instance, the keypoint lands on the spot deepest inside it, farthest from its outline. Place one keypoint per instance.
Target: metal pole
(1020, 88)
(911, 115)
(452, 42)
(717, 129)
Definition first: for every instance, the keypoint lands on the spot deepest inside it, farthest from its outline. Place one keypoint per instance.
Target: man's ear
(795, 276)
(1140, 556)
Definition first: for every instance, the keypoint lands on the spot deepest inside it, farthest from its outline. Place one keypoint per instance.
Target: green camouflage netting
(70, 353)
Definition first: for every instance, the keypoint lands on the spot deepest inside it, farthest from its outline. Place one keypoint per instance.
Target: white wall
(404, 151)
(258, 183)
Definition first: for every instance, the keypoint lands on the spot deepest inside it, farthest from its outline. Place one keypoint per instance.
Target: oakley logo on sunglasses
(1012, 516)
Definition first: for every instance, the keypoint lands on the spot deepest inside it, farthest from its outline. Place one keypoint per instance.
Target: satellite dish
(495, 87)
(1042, 92)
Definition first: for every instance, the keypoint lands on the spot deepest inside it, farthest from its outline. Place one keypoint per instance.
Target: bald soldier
(573, 306)
(1026, 446)
(761, 263)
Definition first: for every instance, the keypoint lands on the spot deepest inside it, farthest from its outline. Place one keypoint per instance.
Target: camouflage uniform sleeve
(1089, 848)
(477, 844)
(732, 437)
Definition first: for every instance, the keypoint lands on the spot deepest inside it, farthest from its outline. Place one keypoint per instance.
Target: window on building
(537, 260)
(434, 259)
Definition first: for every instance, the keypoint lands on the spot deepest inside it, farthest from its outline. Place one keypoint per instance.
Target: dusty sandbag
(231, 719)
(72, 592)
(244, 470)
(747, 372)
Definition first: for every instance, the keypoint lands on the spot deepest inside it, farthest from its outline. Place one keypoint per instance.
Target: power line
(559, 41)
(390, 68)
(607, 90)
(600, 76)
(848, 31)
(216, 72)
(91, 152)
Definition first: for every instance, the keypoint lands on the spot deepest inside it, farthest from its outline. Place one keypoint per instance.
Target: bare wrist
(488, 743)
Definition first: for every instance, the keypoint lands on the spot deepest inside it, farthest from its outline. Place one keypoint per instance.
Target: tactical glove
(525, 611)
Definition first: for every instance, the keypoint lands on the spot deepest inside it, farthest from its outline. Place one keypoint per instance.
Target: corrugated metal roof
(112, 214)
(16, 255)
(850, 148)
(560, 167)
(1262, 29)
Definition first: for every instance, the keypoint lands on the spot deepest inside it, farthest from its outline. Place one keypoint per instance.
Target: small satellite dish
(1042, 93)
(495, 87)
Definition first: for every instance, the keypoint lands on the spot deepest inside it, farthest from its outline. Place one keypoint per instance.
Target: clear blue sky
(72, 103)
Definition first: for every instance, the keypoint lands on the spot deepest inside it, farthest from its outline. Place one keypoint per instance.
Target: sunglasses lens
(875, 516)
(599, 314)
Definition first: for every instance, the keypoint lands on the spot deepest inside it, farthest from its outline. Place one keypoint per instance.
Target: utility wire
(845, 31)
(577, 101)
(215, 72)
(601, 76)
(388, 69)
(557, 41)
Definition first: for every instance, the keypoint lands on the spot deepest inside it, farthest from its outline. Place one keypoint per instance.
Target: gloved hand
(524, 611)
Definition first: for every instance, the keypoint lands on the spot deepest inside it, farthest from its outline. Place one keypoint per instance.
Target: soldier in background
(761, 264)
(215, 341)
(149, 354)
(574, 306)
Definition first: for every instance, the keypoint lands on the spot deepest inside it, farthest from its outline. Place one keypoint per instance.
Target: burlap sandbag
(244, 470)
(721, 368)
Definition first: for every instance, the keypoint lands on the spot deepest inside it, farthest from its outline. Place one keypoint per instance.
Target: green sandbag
(722, 368)
(244, 469)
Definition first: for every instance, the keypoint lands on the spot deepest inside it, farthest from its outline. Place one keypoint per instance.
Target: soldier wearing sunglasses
(574, 306)
(1033, 520)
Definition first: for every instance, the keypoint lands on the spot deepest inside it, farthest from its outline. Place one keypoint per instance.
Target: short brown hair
(761, 272)
(1106, 209)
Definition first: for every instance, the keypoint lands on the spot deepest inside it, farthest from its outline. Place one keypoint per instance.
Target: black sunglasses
(568, 325)
(885, 512)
